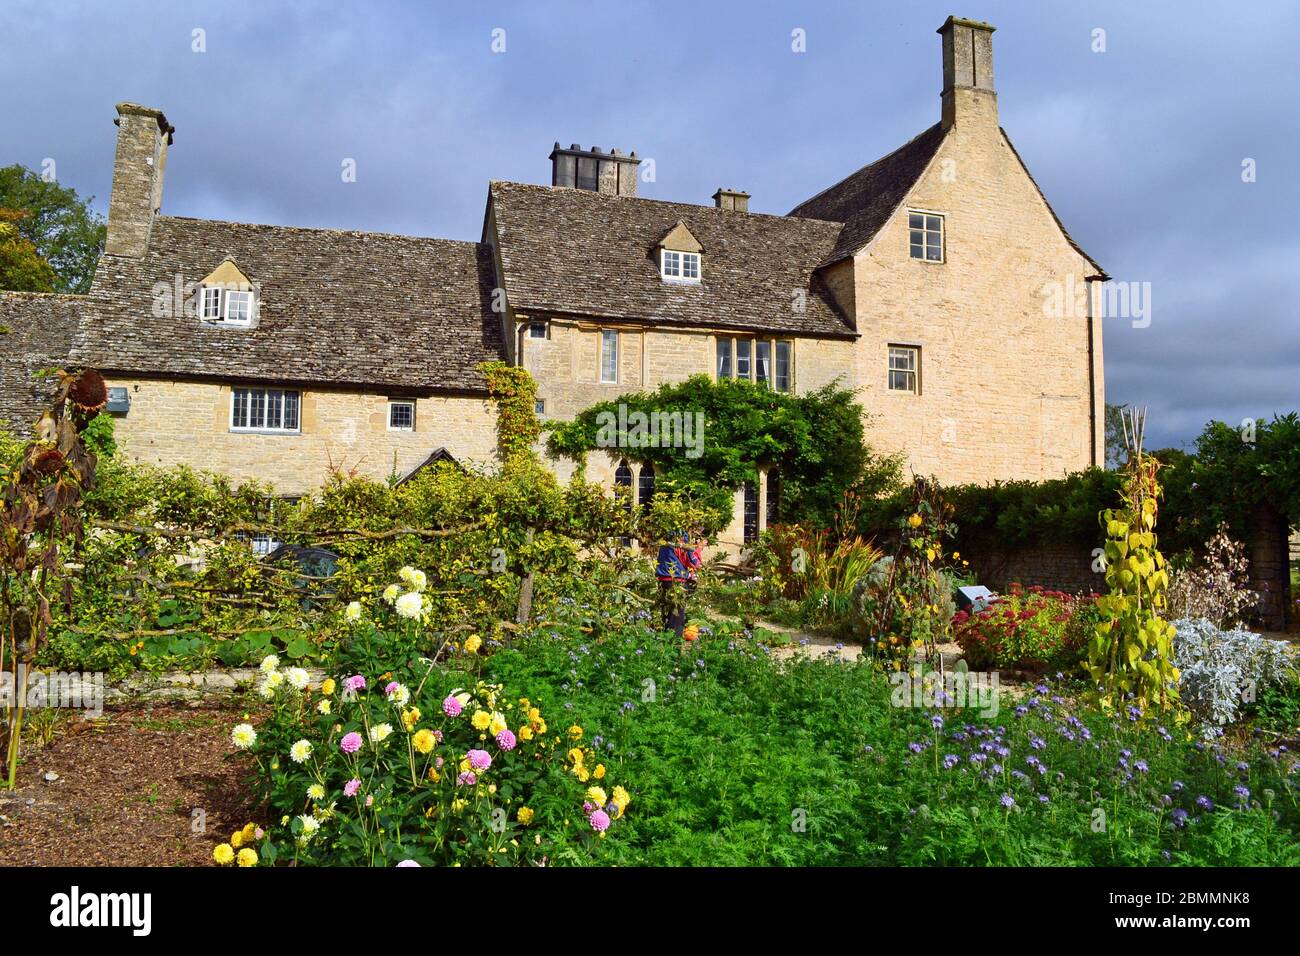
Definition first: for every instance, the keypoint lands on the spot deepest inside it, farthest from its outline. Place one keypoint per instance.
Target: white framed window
(904, 368)
(264, 410)
(925, 236)
(537, 329)
(401, 416)
(609, 356)
(211, 309)
(228, 306)
(679, 266)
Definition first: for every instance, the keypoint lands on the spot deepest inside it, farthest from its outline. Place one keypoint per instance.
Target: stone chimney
(611, 174)
(732, 199)
(968, 93)
(143, 135)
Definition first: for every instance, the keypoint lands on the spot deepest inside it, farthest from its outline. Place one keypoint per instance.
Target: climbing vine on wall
(515, 393)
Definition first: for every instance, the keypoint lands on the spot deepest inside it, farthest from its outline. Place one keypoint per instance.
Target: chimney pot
(611, 174)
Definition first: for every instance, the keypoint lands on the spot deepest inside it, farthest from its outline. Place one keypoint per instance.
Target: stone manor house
(274, 352)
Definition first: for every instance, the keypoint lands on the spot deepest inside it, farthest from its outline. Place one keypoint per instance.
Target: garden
(471, 667)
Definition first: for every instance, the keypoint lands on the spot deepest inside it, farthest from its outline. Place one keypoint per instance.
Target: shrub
(1218, 589)
(1221, 669)
(1037, 630)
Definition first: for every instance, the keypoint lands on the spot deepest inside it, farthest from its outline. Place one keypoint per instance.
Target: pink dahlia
(351, 787)
(350, 743)
(451, 706)
(391, 688)
(355, 683)
(466, 779)
(506, 740)
(599, 821)
(479, 759)
(408, 863)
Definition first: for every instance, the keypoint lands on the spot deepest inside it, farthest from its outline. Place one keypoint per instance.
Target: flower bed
(1036, 629)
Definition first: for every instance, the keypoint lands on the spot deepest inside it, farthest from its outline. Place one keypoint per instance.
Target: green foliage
(904, 603)
(1130, 659)
(736, 759)
(21, 267)
(515, 394)
(62, 227)
(814, 441)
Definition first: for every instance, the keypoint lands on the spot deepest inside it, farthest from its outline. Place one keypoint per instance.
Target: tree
(21, 267)
(1114, 436)
(65, 231)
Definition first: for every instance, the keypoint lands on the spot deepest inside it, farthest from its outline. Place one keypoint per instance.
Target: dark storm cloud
(1139, 148)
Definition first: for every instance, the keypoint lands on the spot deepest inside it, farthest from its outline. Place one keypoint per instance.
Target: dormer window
(680, 266)
(226, 297)
(680, 255)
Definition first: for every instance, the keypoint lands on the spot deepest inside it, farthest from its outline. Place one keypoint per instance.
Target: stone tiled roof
(580, 253)
(36, 332)
(342, 308)
(865, 200)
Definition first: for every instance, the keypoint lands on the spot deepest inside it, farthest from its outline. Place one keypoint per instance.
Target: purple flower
(506, 740)
(479, 759)
(1180, 817)
(915, 748)
(950, 761)
(351, 787)
(355, 683)
(1205, 803)
(936, 722)
(1008, 801)
(466, 778)
(350, 743)
(1141, 766)
(451, 706)
(1038, 743)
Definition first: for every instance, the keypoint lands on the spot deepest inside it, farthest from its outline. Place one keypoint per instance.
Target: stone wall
(1059, 567)
(1004, 389)
(189, 423)
(566, 364)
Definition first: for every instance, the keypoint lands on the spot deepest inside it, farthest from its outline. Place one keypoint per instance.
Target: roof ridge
(24, 293)
(864, 168)
(322, 229)
(584, 193)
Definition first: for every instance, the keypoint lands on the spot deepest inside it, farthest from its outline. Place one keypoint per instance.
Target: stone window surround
(943, 236)
(772, 341)
(392, 404)
(262, 429)
(914, 349)
(606, 337)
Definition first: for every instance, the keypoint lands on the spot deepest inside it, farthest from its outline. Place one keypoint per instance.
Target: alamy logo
(73, 909)
(633, 430)
(1113, 300)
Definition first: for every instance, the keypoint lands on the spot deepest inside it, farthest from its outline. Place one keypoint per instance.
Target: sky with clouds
(1139, 148)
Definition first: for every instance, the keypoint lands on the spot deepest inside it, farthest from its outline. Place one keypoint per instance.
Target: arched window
(623, 480)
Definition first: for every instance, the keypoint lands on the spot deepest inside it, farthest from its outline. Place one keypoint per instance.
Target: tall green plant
(1130, 659)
